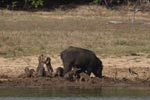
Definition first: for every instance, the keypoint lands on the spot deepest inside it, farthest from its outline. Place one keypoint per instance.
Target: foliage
(36, 3)
(97, 1)
(30, 4)
(12, 4)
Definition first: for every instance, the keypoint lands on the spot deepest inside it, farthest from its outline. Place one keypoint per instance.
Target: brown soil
(45, 82)
(116, 73)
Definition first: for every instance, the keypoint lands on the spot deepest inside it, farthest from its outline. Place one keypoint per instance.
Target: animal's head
(48, 60)
(100, 64)
(41, 58)
(99, 68)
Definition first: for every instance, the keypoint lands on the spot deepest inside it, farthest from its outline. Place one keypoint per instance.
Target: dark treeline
(51, 4)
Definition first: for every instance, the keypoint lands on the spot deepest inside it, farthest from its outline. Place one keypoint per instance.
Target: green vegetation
(30, 4)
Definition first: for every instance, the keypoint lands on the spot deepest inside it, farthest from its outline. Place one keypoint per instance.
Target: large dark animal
(81, 58)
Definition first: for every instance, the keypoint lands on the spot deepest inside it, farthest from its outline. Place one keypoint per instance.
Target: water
(75, 98)
(75, 94)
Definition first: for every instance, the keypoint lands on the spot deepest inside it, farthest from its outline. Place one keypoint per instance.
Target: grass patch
(22, 35)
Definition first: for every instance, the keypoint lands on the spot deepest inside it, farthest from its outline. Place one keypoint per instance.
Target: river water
(107, 93)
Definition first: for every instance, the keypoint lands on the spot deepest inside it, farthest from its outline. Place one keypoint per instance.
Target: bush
(12, 4)
(30, 4)
(36, 3)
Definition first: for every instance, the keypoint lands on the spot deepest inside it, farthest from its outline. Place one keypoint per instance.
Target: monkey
(40, 69)
(59, 72)
(41, 72)
(48, 65)
(84, 77)
(32, 71)
(72, 75)
(29, 72)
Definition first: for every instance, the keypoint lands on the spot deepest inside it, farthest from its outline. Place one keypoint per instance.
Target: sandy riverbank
(116, 72)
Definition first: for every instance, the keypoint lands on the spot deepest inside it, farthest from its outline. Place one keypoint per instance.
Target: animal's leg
(42, 71)
(67, 67)
(49, 68)
(89, 70)
(78, 73)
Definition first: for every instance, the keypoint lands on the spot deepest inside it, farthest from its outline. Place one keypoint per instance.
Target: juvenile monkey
(59, 72)
(84, 77)
(48, 64)
(72, 75)
(28, 72)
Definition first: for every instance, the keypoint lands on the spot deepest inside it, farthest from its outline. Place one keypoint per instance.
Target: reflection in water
(73, 92)
(77, 98)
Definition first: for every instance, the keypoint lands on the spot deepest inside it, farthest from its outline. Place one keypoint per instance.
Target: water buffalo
(81, 58)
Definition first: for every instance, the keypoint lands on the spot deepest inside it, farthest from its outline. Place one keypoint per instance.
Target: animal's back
(76, 52)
